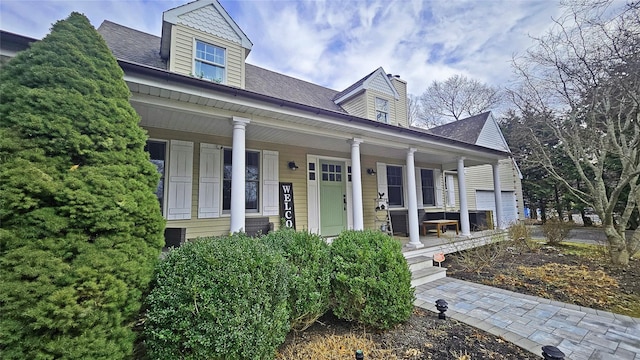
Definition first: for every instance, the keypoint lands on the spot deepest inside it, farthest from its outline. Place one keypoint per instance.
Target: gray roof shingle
(353, 86)
(465, 130)
(132, 45)
(142, 48)
(281, 86)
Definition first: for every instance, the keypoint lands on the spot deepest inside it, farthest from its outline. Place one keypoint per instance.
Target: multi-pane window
(394, 186)
(252, 180)
(331, 172)
(382, 110)
(209, 62)
(428, 188)
(158, 153)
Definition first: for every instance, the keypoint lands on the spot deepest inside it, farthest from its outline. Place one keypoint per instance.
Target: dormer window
(209, 62)
(382, 110)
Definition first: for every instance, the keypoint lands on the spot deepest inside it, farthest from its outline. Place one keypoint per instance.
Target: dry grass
(335, 347)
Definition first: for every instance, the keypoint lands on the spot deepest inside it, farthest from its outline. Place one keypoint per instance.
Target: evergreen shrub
(310, 284)
(81, 226)
(218, 298)
(372, 281)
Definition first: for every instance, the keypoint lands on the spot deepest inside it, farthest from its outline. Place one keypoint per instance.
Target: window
(428, 188)
(209, 62)
(394, 185)
(158, 154)
(252, 180)
(382, 110)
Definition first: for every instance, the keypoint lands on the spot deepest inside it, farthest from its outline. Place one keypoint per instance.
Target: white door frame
(313, 192)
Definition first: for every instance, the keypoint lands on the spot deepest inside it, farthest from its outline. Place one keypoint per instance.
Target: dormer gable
(201, 39)
(207, 16)
(377, 80)
(377, 96)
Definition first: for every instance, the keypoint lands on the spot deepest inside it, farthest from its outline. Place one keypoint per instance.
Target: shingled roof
(142, 48)
(466, 130)
(132, 45)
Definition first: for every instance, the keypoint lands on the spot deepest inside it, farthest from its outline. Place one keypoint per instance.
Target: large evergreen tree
(80, 227)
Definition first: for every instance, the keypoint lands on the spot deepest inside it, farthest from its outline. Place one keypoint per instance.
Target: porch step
(427, 274)
(425, 251)
(419, 262)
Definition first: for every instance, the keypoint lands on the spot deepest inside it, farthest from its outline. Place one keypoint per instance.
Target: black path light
(552, 353)
(359, 355)
(442, 306)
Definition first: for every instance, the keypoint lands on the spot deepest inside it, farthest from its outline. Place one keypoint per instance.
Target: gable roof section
(132, 45)
(205, 15)
(377, 80)
(481, 129)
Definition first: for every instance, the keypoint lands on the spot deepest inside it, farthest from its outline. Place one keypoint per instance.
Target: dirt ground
(424, 336)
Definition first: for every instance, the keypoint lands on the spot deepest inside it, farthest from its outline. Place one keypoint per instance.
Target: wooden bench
(439, 225)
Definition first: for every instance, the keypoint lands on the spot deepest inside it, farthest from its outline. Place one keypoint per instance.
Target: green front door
(333, 198)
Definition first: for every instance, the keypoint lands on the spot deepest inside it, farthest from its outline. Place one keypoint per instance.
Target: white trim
(194, 59)
(180, 180)
(210, 181)
(313, 192)
(269, 183)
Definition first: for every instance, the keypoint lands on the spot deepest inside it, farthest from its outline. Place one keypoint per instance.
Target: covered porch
(204, 127)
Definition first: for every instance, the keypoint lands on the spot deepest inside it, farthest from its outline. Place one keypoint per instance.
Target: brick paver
(532, 322)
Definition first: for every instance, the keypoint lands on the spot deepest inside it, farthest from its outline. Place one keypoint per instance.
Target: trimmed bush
(81, 226)
(372, 282)
(310, 285)
(218, 298)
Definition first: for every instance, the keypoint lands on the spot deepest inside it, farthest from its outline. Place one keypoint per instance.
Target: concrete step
(425, 251)
(427, 274)
(419, 262)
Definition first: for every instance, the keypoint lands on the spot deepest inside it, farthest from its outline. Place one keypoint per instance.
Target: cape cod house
(239, 146)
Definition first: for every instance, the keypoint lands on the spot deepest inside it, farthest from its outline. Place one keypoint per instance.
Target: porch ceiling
(181, 110)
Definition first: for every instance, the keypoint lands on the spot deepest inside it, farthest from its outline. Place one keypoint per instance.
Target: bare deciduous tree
(413, 109)
(586, 73)
(456, 98)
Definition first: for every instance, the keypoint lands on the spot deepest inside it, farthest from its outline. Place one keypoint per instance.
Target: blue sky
(336, 42)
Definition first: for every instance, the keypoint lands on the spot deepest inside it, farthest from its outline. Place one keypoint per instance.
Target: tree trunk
(617, 246)
(558, 204)
(543, 211)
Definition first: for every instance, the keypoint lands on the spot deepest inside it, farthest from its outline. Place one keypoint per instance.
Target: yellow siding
(481, 178)
(401, 105)
(182, 53)
(356, 106)
(219, 226)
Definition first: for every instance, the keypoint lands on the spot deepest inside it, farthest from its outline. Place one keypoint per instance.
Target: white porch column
(497, 191)
(465, 229)
(238, 168)
(414, 227)
(356, 184)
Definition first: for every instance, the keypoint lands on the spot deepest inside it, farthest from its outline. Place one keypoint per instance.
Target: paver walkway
(531, 322)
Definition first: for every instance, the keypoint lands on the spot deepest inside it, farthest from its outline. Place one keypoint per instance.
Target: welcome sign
(287, 211)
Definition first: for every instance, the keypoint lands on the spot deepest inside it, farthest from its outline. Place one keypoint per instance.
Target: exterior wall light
(371, 172)
(442, 306)
(552, 353)
(293, 166)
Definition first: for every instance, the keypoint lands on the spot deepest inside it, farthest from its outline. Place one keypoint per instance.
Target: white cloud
(335, 43)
